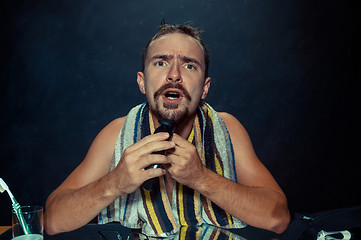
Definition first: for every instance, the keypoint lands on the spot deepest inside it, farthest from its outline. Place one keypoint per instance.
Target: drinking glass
(33, 216)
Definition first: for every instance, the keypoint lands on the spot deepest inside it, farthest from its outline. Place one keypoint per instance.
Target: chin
(174, 114)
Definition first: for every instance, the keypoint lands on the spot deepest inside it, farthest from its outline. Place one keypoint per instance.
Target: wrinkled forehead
(176, 43)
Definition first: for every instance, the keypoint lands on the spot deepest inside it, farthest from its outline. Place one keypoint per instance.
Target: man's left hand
(186, 166)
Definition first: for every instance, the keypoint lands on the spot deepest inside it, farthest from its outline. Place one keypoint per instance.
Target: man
(210, 172)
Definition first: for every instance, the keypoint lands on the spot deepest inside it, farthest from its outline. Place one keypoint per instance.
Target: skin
(174, 58)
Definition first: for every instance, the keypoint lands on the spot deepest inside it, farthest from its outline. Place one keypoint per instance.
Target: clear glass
(34, 219)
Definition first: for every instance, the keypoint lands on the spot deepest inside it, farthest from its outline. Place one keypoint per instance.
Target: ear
(206, 86)
(140, 80)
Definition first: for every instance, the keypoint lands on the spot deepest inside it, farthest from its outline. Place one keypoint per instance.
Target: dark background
(288, 70)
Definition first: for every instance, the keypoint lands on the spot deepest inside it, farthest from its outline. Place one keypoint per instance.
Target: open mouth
(173, 94)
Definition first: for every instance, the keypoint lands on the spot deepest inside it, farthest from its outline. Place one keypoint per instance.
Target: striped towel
(203, 232)
(151, 210)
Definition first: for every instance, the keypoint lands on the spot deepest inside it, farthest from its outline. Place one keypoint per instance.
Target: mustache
(172, 85)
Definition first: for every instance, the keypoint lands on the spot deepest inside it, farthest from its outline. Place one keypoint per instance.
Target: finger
(176, 151)
(149, 139)
(152, 173)
(176, 166)
(180, 147)
(154, 147)
(179, 141)
(174, 159)
(149, 143)
(166, 166)
(153, 159)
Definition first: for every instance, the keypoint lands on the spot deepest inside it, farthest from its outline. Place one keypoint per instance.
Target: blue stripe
(125, 208)
(159, 208)
(233, 160)
(100, 219)
(188, 206)
(205, 230)
(134, 141)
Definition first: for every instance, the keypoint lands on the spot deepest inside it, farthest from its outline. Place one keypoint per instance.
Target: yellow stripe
(217, 234)
(196, 132)
(181, 207)
(197, 211)
(183, 232)
(199, 233)
(191, 136)
(216, 160)
(199, 142)
(151, 123)
(220, 172)
(154, 218)
(165, 201)
(212, 212)
(229, 217)
(210, 115)
(218, 165)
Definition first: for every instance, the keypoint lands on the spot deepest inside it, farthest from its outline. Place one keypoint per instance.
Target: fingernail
(172, 143)
(166, 134)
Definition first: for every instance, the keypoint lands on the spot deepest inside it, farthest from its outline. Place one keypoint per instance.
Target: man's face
(173, 78)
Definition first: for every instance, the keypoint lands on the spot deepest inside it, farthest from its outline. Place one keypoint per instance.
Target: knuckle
(146, 139)
(127, 151)
(125, 159)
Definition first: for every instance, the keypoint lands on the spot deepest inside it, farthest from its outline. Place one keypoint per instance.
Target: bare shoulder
(233, 125)
(103, 145)
(113, 128)
(250, 170)
(239, 136)
(108, 135)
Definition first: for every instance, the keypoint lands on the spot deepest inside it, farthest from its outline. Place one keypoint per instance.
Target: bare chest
(169, 184)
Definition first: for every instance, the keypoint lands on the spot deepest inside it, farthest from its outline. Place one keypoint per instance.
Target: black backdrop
(288, 70)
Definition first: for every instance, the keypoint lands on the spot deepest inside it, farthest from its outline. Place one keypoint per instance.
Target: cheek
(152, 81)
(150, 89)
(198, 91)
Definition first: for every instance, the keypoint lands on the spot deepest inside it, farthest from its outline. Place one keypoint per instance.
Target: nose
(174, 74)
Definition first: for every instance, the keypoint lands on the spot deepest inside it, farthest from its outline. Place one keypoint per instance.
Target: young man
(210, 172)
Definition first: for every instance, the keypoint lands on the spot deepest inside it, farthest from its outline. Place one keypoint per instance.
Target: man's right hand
(90, 188)
(130, 172)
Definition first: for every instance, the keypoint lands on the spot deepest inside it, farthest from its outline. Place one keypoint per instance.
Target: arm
(256, 199)
(90, 188)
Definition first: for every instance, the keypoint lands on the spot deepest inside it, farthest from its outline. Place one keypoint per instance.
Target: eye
(190, 66)
(160, 64)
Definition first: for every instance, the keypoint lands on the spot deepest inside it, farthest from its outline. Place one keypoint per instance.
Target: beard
(175, 112)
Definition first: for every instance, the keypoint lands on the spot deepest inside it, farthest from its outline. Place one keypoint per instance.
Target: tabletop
(333, 222)
(4, 229)
(110, 231)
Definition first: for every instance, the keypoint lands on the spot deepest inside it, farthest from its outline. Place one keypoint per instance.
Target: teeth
(172, 95)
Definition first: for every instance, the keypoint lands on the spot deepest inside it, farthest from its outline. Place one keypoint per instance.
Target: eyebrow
(183, 58)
